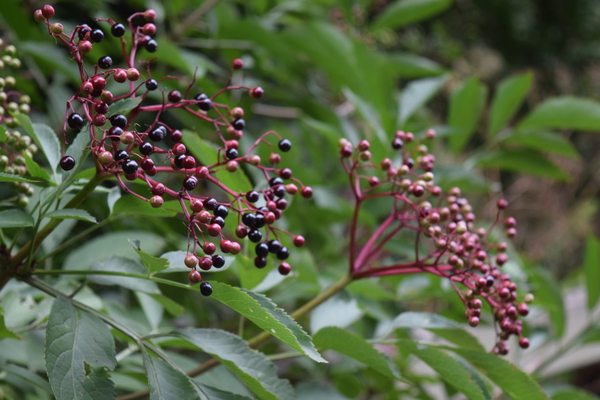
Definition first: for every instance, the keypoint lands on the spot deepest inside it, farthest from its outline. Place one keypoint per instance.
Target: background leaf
(591, 266)
(564, 112)
(405, 12)
(15, 219)
(166, 382)
(466, 105)
(508, 98)
(71, 213)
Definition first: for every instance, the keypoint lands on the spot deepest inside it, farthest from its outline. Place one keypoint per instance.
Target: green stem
(284, 356)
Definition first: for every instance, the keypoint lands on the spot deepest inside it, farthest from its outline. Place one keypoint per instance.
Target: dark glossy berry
(218, 261)
(117, 30)
(260, 262)
(279, 191)
(274, 246)
(249, 220)
(130, 167)
(255, 235)
(147, 164)
(252, 196)
(118, 120)
(152, 84)
(190, 182)
(121, 155)
(176, 136)
(115, 132)
(259, 220)
(151, 45)
(397, 144)
(157, 134)
(221, 211)
(218, 220)
(146, 148)
(97, 36)
(231, 153)
(174, 96)
(75, 121)
(83, 31)
(409, 162)
(275, 181)
(211, 204)
(105, 62)
(285, 145)
(206, 289)
(262, 250)
(67, 163)
(283, 254)
(239, 124)
(205, 105)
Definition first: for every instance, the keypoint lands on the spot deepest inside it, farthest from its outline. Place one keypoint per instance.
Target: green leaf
(27, 375)
(547, 294)
(173, 307)
(447, 367)
(4, 332)
(250, 366)
(263, 312)
(466, 105)
(509, 97)
(79, 349)
(250, 276)
(591, 267)
(132, 205)
(543, 141)
(212, 393)
(564, 112)
(405, 12)
(123, 265)
(523, 161)
(3, 135)
(341, 310)
(44, 137)
(409, 65)
(416, 94)
(15, 219)
(124, 106)
(572, 393)
(443, 327)
(71, 213)
(153, 264)
(13, 178)
(33, 169)
(514, 382)
(166, 382)
(354, 346)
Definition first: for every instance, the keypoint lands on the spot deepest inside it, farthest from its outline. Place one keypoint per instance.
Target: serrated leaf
(547, 295)
(132, 205)
(166, 382)
(564, 112)
(124, 106)
(354, 346)
(72, 213)
(262, 311)
(75, 338)
(44, 137)
(212, 393)
(153, 264)
(405, 12)
(466, 105)
(447, 367)
(514, 382)
(13, 178)
(572, 393)
(523, 161)
(4, 332)
(123, 265)
(15, 219)
(509, 97)
(591, 267)
(250, 366)
(416, 94)
(34, 170)
(543, 141)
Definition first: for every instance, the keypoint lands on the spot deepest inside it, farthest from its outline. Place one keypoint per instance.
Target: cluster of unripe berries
(14, 146)
(457, 249)
(121, 146)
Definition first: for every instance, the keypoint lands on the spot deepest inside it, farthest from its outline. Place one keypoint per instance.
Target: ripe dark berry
(75, 121)
(146, 148)
(118, 120)
(117, 30)
(284, 268)
(275, 181)
(130, 167)
(249, 220)
(83, 30)
(190, 182)
(67, 163)
(255, 235)
(174, 96)
(218, 220)
(274, 246)
(151, 45)
(279, 191)
(231, 153)
(97, 36)
(218, 261)
(260, 262)
(221, 211)
(206, 289)
(115, 133)
(283, 254)
(259, 220)
(157, 134)
(252, 196)
(121, 155)
(262, 250)
(239, 124)
(285, 145)
(211, 204)
(152, 85)
(105, 62)
(397, 143)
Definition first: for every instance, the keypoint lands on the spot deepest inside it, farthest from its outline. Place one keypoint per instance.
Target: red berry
(473, 321)
(194, 276)
(196, 205)
(84, 46)
(241, 231)
(38, 16)
(502, 204)
(158, 189)
(214, 230)
(510, 222)
(98, 81)
(225, 246)
(299, 241)
(189, 162)
(209, 248)
(257, 92)
(524, 343)
(149, 29)
(202, 172)
(48, 11)
(150, 15)
(176, 136)
(306, 192)
(174, 96)
(236, 248)
(284, 268)
(237, 64)
(133, 74)
(190, 261)
(120, 75)
(205, 263)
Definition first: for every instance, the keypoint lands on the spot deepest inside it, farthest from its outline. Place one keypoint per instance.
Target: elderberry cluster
(443, 224)
(127, 148)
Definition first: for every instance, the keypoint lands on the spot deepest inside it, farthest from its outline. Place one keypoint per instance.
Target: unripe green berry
(25, 99)
(16, 63)
(13, 107)
(23, 202)
(11, 50)
(10, 81)
(7, 59)
(24, 109)
(19, 160)
(57, 28)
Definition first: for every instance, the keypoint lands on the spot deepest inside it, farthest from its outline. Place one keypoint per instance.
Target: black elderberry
(190, 182)
(285, 145)
(105, 62)
(152, 84)
(206, 289)
(115, 132)
(117, 30)
(157, 134)
(118, 120)
(252, 196)
(249, 220)
(219, 221)
(274, 246)
(130, 167)
(121, 155)
(97, 36)
(260, 262)
(218, 261)
(75, 121)
(409, 162)
(397, 144)
(255, 235)
(231, 153)
(239, 124)
(283, 254)
(179, 161)
(259, 220)
(83, 31)
(146, 148)
(221, 211)
(67, 163)
(262, 250)
(275, 181)
(151, 45)
(279, 191)
(211, 204)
